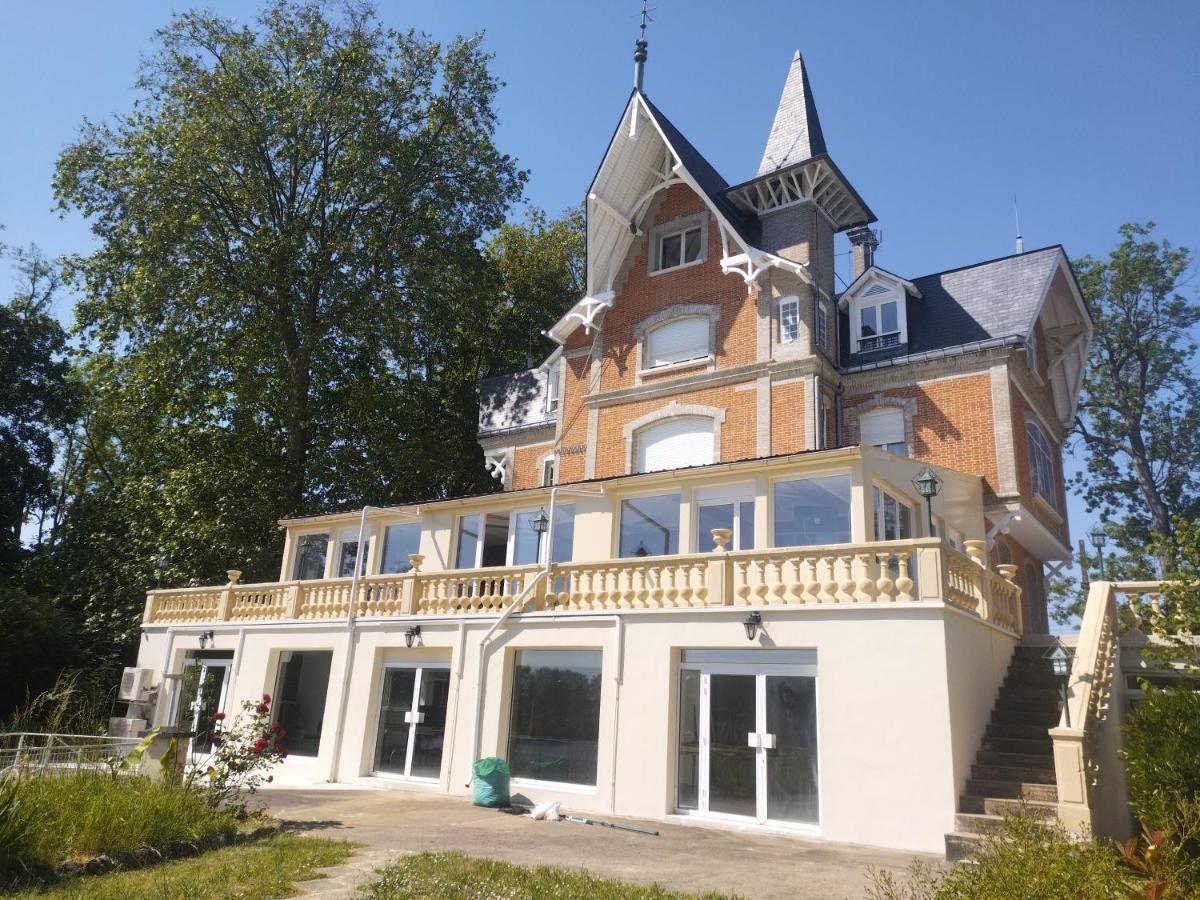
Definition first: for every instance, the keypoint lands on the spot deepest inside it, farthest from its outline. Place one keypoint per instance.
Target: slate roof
(707, 177)
(986, 301)
(513, 402)
(796, 133)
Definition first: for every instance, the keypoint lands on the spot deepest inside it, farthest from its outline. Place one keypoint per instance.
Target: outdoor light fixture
(928, 485)
(752, 623)
(206, 639)
(1099, 538)
(541, 522)
(414, 632)
(1060, 665)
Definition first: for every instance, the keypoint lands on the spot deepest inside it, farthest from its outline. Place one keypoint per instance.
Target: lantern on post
(1060, 664)
(928, 485)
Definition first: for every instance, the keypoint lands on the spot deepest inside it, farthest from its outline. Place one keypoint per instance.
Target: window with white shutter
(884, 428)
(679, 340)
(675, 444)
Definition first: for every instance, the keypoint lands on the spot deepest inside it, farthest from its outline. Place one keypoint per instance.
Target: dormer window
(679, 243)
(877, 319)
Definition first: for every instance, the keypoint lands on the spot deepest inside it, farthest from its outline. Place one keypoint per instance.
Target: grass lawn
(455, 876)
(266, 868)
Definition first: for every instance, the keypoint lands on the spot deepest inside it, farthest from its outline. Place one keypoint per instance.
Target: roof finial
(639, 51)
(1017, 217)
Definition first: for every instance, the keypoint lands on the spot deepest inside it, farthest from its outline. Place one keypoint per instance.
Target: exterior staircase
(1014, 769)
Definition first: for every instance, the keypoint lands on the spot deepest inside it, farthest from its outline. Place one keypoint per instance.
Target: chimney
(863, 244)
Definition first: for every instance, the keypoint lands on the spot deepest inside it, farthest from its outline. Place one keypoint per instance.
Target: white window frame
(880, 494)
(877, 302)
(418, 676)
(704, 542)
(553, 375)
(787, 304)
(330, 548)
(549, 471)
(678, 227)
(1034, 430)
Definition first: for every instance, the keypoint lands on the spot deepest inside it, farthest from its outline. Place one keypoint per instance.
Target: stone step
(1014, 731)
(1029, 774)
(1011, 790)
(1015, 760)
(961, 844)
(1046, 698)
(977, 823)
(1046, 717)
(1020, 679)
(1039, 746)
(1007, 806)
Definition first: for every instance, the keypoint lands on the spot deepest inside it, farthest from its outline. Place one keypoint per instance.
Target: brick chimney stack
(863, 244)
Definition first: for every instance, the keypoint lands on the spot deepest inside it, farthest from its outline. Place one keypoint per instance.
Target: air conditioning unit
(135, 684)
(126, 728)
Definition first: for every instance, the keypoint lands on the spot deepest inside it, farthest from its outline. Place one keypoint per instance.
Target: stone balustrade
(889, 572)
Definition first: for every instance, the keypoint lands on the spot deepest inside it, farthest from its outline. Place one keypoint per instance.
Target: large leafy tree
(37, 398)
(303, 271)
(1141, 397)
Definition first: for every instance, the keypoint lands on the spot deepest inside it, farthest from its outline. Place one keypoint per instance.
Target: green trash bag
(491, 782)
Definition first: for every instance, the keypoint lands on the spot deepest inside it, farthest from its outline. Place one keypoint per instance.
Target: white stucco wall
(902, 695)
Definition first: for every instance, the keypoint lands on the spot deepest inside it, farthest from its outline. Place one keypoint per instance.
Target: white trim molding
(709, 311)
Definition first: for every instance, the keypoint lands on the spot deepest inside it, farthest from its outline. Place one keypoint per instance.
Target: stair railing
(1092, 797)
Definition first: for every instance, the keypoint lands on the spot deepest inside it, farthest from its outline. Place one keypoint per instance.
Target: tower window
(789, 319)
(1041, 464)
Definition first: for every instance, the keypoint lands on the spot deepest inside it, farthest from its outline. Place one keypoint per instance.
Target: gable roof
(796, 132)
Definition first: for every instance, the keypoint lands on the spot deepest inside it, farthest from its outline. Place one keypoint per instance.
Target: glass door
(736, 515)
(412, 721)
(748, 736)
(206, 684)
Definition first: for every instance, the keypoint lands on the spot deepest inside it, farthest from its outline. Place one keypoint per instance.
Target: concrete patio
(684, 857)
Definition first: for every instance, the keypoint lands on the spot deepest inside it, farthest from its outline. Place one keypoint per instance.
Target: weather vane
(639, 53)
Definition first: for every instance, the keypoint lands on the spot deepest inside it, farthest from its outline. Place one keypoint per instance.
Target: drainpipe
(508, 610)
(360, 560)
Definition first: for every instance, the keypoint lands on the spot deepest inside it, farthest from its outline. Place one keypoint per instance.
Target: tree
(37, 397)
(1141, 395)
(303, 272)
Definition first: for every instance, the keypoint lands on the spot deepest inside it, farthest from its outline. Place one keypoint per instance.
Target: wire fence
(40, 754)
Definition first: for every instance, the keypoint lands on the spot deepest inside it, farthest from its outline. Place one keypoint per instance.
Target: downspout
(360, 560)
(543, 572)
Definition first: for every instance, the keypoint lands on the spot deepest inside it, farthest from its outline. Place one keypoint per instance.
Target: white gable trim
(875, 276)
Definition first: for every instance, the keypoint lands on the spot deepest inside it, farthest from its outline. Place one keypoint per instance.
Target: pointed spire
(796, 134)
(639, 51)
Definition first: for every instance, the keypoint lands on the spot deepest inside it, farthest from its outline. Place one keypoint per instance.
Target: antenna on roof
(1017, 217)
(639, 50)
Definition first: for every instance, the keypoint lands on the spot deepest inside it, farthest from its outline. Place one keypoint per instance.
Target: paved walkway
(343, 882)
(684, 857)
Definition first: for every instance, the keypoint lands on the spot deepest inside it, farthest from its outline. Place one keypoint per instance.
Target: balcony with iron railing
(923, 570)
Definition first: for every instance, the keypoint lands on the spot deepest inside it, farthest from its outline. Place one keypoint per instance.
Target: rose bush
(243, 750)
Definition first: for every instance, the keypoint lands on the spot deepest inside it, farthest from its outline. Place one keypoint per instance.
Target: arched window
(675, 443)
(884, 428)
(1041, 464)
(676, 341)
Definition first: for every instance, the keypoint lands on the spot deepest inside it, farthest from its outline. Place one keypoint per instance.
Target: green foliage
(243, 750)
(1141, 395)
(1024, 858)
(91, 813)
(37, 641)
(1162, 754)
(303, 271)
(16, 828)
(76, 703)
(262, 869)
(37, 397)
(455, 876)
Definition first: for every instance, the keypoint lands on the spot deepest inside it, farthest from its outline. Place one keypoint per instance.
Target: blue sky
(938, 112)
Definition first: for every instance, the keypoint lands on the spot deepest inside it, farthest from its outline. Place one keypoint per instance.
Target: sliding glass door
(748, 735)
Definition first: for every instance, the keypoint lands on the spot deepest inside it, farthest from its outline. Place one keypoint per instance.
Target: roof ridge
(988, 262)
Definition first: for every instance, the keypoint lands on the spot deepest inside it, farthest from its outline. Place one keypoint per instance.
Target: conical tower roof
(796, 134)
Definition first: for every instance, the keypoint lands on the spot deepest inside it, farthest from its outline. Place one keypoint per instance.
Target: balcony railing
(890, 572)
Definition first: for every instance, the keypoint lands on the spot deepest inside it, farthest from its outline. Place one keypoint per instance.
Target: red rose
(259, 746)
(218, 717)
(261, 708)
(266, 698)
(270, 778)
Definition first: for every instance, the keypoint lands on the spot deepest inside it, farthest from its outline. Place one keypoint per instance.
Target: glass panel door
(748, 742)
(211, 681)
(792, 762)
(391, 745)
(731, 760)
(412, 721)
(430, 726)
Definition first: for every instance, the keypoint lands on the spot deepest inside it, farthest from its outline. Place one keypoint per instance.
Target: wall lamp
(414, 632)
(207, 639)
(752, 623)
